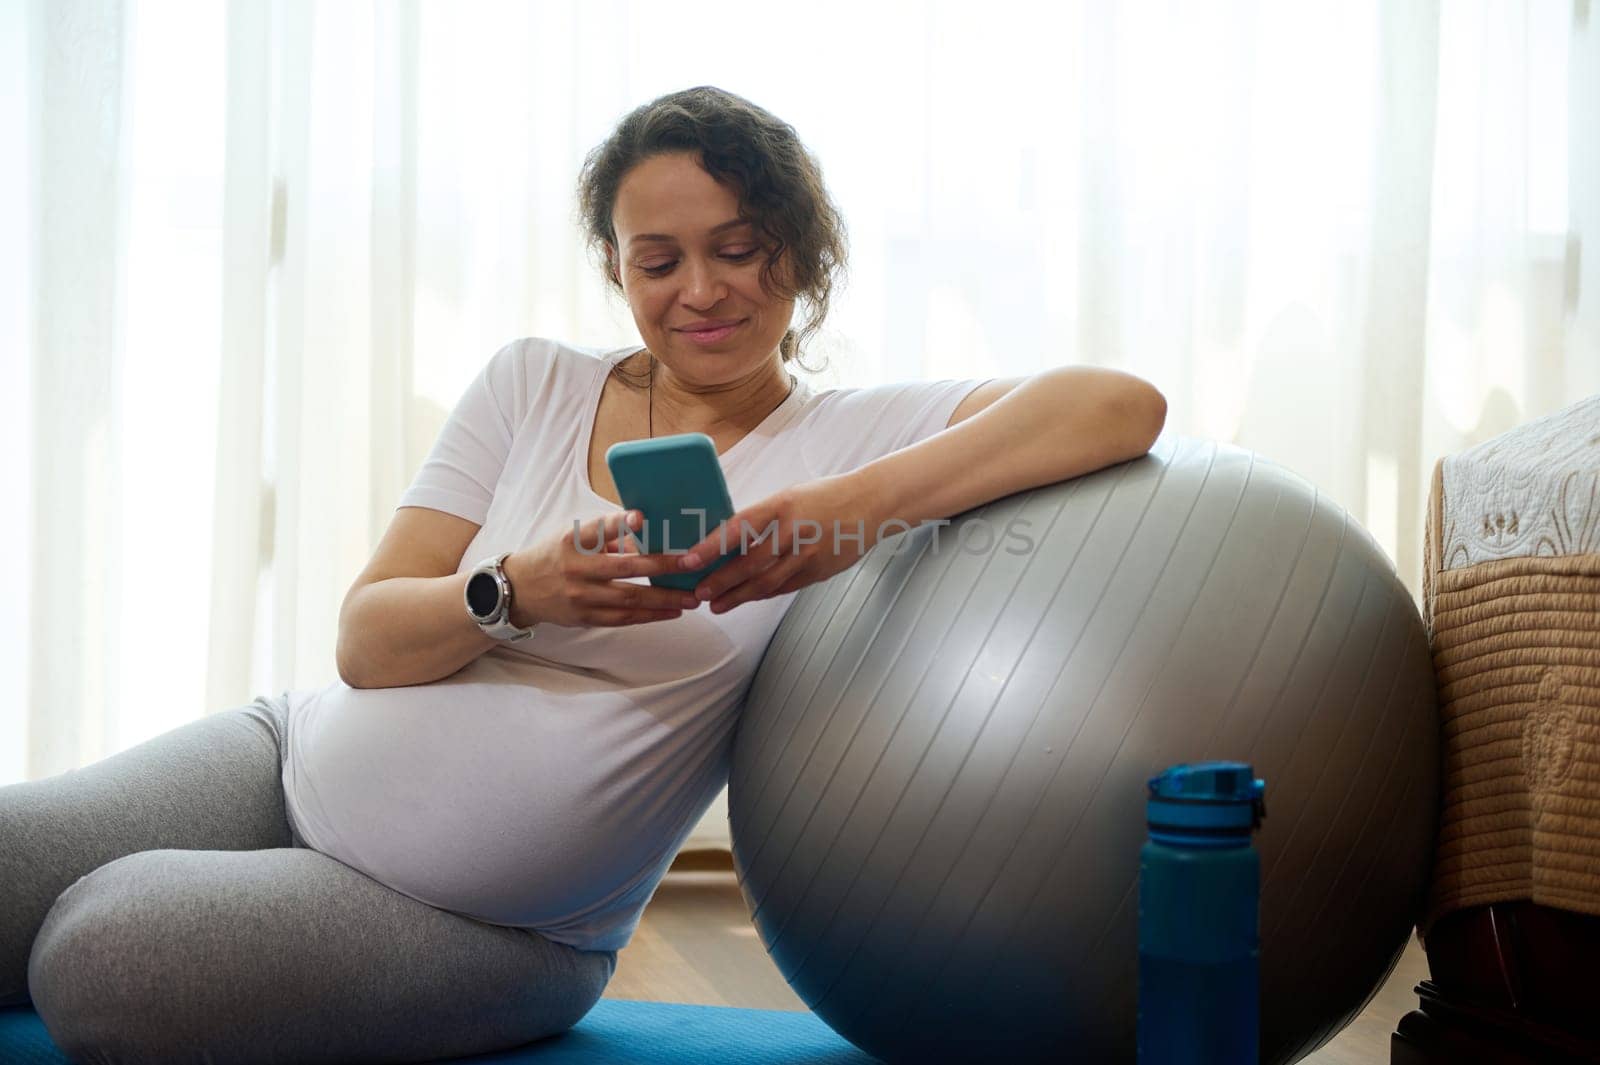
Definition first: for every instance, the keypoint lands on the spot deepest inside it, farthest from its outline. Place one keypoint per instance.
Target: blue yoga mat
(615, 1032)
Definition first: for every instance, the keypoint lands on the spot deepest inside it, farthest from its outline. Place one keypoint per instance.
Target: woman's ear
(611, 266)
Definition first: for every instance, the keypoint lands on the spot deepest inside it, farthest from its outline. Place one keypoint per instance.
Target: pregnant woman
(441, 853)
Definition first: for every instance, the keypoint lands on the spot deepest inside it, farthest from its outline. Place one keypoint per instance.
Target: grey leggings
(158, 906)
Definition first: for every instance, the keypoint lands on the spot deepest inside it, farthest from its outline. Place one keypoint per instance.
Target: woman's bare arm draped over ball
(1050, 427)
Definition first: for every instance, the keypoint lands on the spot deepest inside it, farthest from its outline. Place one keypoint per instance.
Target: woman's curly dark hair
(777, 180)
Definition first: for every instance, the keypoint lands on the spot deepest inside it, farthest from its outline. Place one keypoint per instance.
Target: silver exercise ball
(937, 793)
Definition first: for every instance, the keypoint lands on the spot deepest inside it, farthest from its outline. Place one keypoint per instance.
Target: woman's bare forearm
(408, 630)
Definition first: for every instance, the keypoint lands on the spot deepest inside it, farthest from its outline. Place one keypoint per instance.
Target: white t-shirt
(549, 783)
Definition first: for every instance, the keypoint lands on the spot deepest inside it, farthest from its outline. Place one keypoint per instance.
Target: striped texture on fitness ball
(938, 781)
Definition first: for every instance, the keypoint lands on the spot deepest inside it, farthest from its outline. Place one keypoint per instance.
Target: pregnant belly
(539, 810)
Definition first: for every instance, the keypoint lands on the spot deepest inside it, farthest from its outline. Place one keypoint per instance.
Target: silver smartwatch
(489, 600)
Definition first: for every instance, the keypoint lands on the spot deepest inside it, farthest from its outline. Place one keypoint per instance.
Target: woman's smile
(703, 335)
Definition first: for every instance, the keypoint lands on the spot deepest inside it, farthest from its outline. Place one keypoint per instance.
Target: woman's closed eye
(656, 269)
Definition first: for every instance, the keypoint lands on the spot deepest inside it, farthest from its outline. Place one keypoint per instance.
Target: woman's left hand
(801, 535)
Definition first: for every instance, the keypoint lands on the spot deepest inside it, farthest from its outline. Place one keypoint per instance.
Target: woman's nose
(704, 286)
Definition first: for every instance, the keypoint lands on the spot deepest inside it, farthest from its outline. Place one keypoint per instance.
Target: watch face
(483, 595)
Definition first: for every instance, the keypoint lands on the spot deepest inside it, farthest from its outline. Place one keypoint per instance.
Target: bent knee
(592, 971)
(80, 986)
(67, 983)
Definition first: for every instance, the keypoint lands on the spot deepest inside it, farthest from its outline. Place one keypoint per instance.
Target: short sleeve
(461, 471)
(851, 427)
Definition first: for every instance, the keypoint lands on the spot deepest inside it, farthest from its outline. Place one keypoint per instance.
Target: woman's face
(691, 271)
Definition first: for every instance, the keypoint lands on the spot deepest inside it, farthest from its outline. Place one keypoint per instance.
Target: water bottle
(1199, 938)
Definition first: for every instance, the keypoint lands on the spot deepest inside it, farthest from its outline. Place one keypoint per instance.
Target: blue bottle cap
(1224, 800)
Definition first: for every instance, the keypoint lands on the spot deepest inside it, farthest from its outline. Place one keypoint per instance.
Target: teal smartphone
(676, 483)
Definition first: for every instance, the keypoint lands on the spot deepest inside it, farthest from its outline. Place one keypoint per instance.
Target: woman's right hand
(554, 581)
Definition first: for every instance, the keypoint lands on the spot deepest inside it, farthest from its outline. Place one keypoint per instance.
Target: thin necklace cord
(652, 411)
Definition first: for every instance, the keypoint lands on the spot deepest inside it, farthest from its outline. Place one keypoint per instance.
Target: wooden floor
(696, 944)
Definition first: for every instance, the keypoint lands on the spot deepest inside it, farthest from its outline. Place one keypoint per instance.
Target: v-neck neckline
(592, 411)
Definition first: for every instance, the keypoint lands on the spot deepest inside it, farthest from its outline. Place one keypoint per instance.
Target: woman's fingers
(622, 594)
(624, 541)
(609, 597)
(759, 583)
(621, 556)
(585, 575)
(605, 535)
(598, 535)
(611, 616)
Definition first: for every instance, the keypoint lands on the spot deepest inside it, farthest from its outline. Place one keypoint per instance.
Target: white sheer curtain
(251, 253)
